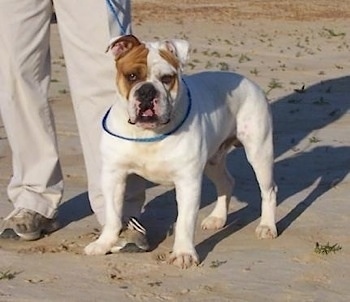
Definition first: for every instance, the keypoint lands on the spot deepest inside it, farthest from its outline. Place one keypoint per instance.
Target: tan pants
(85, 28)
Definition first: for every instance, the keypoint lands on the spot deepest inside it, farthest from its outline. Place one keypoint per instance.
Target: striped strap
(134, 224)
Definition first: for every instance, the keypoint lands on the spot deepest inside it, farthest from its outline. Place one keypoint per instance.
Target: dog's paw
(213, 223)
(266, 232)
(183, 260)
(97, 248)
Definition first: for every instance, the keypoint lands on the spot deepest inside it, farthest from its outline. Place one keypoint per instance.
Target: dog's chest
(154, 164)
(160, 172)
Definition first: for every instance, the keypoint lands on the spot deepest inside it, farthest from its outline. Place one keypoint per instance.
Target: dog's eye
(132, 77)
(167, 79)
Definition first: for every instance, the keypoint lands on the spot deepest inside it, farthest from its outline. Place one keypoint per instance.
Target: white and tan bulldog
(170, 128)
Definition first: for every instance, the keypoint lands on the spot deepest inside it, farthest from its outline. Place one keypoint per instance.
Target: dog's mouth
(148, 119)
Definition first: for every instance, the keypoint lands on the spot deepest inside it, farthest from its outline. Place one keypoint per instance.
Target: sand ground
(298, 51)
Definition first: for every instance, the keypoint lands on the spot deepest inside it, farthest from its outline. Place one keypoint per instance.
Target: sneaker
(27, 225)
(133, 239)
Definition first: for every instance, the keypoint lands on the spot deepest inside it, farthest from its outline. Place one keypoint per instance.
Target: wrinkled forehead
(160, 60)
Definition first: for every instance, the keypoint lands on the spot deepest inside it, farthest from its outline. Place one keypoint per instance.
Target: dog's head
(148, 77)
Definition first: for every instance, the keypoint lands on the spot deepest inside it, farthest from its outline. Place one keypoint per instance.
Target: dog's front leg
(188, 194)
(113, 189)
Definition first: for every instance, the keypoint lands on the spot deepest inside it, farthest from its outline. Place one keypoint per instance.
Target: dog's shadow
(296, 117)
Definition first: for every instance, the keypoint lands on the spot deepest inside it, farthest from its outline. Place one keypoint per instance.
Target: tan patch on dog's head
(170, 58)
(171, 79)
(130, 60)
(131, 69)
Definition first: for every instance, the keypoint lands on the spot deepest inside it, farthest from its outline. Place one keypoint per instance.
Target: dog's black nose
(146, 94)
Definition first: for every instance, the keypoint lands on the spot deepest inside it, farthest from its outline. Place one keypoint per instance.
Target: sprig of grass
(326, 249)
(243, 58)
(314, 139)
(208, 65)
(274, 84)
(191, 65)
(215, 54)
(7, 275)
(254, 71)
(156, 283)
(223, 66)
(217, 263)
(332, 33)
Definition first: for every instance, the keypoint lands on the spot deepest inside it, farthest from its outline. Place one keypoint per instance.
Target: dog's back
(224, 101)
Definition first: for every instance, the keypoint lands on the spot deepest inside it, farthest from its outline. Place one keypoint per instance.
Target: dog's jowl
(170, 129)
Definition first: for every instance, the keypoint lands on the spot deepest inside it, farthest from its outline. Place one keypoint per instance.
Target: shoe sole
(12, 234)
(9, 234)
(129, 248)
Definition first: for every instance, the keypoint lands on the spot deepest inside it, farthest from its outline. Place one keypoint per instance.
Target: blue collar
(154, 138)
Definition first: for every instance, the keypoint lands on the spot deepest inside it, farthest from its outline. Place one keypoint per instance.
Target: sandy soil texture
(298, 51)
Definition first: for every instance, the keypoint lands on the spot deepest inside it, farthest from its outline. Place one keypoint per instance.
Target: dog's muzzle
(147, 105)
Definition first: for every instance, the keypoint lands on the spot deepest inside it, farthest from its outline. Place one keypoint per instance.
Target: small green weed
(332, 33)
(274, 83)
(156, 283)
(217, 263)
(7, 275)
(191, 65)
(208, 65)
(326, 249)
(223, 66)
(215, 54)
(314, 140)
(243, 58)
(254, 71)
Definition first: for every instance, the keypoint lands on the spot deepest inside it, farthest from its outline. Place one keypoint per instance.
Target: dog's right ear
(122, 44)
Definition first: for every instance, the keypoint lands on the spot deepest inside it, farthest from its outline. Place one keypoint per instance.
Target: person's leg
(36, 184)
(86, 30)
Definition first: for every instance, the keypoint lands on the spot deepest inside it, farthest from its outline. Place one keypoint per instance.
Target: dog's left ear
(179, 48)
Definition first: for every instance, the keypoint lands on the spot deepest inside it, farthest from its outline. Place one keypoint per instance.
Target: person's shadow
(301, 160)
(74, 209)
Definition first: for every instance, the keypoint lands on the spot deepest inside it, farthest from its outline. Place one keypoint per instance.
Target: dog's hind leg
(259, 151)
(217, 172)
